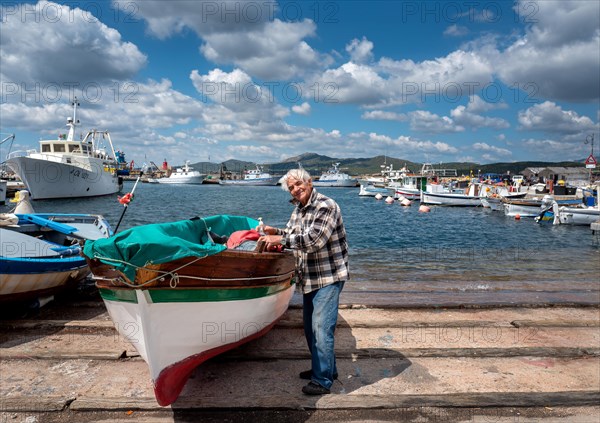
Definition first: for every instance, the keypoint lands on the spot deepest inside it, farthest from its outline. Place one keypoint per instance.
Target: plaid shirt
(317, 235)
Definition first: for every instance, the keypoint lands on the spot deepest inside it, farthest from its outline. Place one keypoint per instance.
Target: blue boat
(40, 252)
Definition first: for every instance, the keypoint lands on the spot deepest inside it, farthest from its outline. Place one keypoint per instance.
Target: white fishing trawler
(182, 175)
(334, 178)
(67, 168)
(253, 177)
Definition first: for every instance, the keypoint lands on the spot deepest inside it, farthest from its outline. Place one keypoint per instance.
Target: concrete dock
(492, 364)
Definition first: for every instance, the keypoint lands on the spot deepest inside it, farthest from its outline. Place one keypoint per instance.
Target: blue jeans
(320, 312)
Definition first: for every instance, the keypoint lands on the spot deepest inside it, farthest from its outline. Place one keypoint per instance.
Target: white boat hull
(15, 286)
(493, 203)
(513, 210)
(345, 183)
(410, 193)
(193, 180)
(250, 182)
(159, 332)
(372, 191)
(450, 199)
(578, 216)
(46, 179)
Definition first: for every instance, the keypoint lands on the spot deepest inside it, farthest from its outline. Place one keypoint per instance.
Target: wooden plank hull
(180, 314)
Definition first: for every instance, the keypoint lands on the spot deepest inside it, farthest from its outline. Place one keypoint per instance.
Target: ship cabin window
(59, 148)
(73, 147)
(46, 148)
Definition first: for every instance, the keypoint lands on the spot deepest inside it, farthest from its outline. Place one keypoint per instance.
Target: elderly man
(316, 234)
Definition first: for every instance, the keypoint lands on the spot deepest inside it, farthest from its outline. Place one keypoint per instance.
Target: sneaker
(307, 375)
(315, 389)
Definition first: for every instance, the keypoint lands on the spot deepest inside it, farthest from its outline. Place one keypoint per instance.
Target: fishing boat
(182, 175)
(164, 276)
(468, 197)
(564, 215)
(69, 168)
(253, 177)
(369, 189)
(492, 197)
(40, 254)
(334, 178)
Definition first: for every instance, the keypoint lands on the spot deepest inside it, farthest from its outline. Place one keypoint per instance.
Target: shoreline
(450, 364)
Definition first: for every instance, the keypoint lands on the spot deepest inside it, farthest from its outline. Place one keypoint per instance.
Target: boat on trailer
(163, 276)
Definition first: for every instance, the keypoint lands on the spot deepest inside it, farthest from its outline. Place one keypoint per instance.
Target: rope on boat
(174, 281)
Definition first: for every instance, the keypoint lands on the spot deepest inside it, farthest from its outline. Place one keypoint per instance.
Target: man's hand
(273, 242)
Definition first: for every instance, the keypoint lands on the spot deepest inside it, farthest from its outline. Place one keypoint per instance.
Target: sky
(263, 81)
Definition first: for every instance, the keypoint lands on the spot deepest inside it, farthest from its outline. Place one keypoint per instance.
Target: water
(398, 256)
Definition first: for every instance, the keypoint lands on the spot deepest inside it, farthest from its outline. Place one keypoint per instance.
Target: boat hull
(250, 182)
(411, 194)
(172, 350)
(369, 190)
(522, 209)
(193, 180)
(450, 199)
(232, 297)
(578, 216)
(343, 183)
(47, 179)
(25, 279)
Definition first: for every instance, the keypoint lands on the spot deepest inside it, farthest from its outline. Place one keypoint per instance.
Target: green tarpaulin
(163, 242)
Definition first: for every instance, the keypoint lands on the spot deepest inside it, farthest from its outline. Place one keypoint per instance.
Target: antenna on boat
(72, 122)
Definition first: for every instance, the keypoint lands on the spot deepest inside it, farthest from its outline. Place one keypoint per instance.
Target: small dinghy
(40, 254)
(188, 295)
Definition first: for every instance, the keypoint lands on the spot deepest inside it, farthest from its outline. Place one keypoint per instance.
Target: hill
(316, 164)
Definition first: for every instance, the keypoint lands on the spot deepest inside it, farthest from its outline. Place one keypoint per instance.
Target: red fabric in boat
(238, 237)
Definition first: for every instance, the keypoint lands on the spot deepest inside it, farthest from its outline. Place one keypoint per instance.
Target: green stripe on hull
(122, 295)
(170, 295)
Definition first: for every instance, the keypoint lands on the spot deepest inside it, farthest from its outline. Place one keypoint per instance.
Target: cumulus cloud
(558, 57)
(383, 115)
(465, 117)
(549, 117)
(52, 44)
(425, 121)
(456, 31)
(244, 34)
(491, 149)
(302, 109)
(360, 50)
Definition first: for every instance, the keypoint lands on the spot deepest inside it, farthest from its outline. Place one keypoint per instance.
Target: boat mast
(72, 122)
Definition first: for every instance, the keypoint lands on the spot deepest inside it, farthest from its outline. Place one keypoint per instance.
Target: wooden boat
(40, 254)
(180, 298)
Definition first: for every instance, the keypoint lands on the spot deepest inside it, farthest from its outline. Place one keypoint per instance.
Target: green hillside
(316, 164)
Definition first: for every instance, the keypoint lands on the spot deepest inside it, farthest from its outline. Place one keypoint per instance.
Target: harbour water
(398, 256)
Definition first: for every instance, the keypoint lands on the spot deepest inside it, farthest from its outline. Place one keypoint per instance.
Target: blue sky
(426, 81)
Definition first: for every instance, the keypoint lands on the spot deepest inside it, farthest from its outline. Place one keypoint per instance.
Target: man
(316, 234)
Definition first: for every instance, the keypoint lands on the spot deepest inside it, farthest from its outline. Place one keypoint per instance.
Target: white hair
(298, 174)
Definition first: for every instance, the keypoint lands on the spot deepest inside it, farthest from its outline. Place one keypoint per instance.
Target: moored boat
(161, 276)
(368, 189)
(334, 178)
(182, 175)
(461, 198)
(253, 177)
(70, 168)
